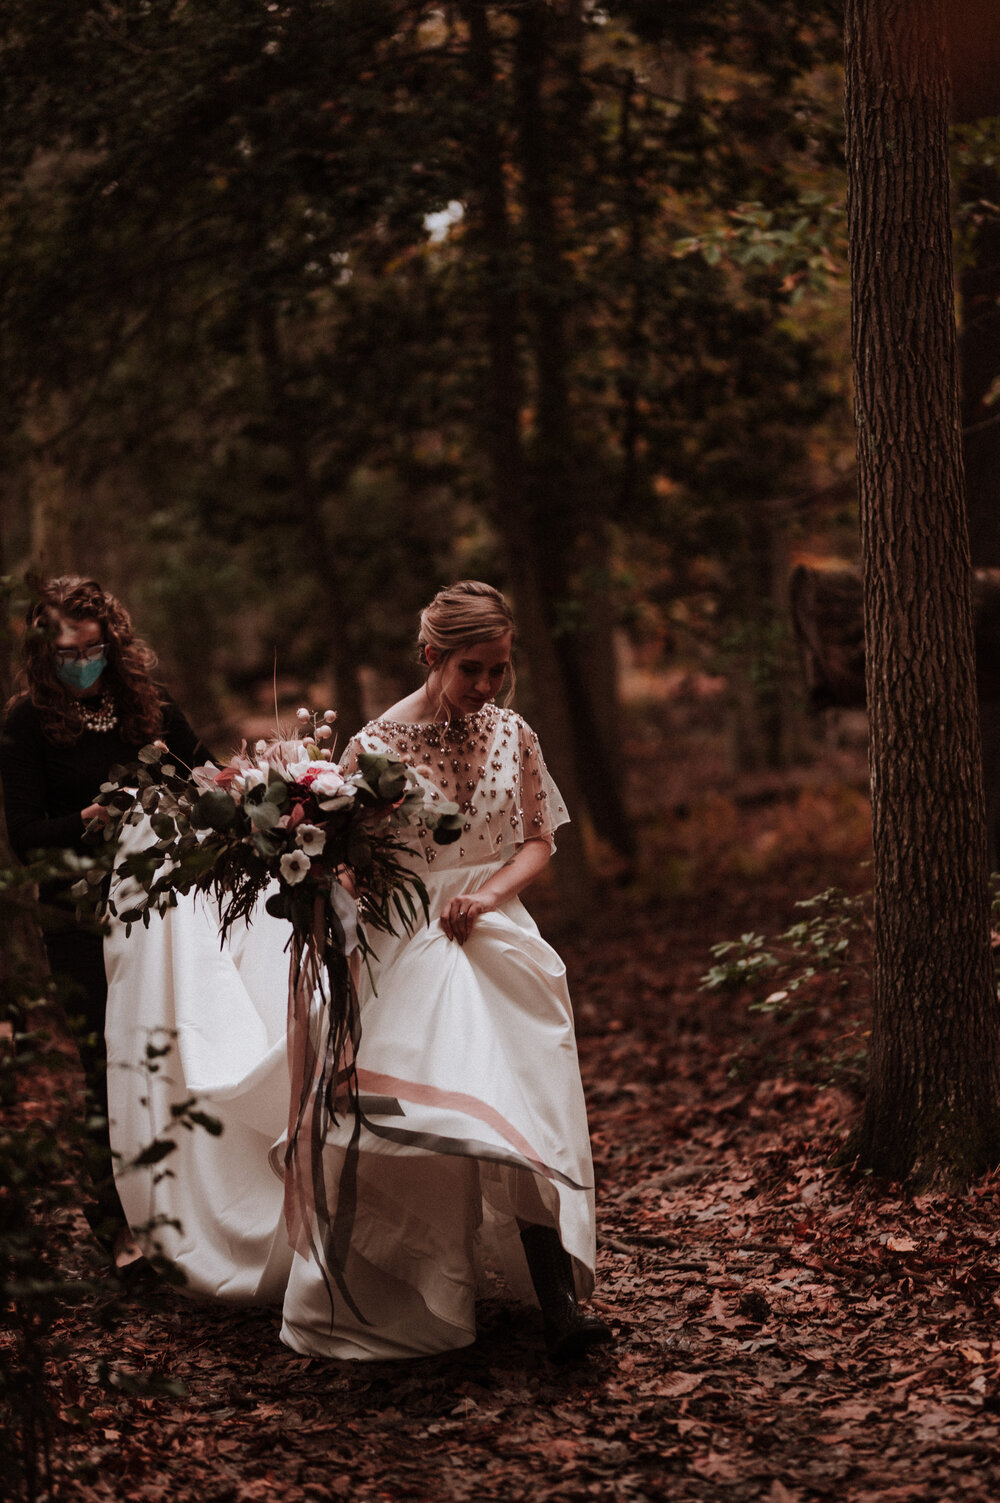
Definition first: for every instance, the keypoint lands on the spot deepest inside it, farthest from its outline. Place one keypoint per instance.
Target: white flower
(311, 839)
(294, 867)
(326, 781)
(206, 777)
(251, 778)
(332, 791)
(260, 747)
(301, 771)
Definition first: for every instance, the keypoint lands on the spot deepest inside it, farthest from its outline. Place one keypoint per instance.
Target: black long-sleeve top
(45, 786)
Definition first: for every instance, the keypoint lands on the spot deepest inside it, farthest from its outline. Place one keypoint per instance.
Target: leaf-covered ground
(784, 1332)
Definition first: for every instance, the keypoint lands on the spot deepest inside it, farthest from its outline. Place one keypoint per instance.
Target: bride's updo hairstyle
(460, 615)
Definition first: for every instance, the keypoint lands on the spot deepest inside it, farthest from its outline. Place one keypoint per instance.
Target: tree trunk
(767, 729)
(55, 518)
(308, 512)
(931, 1115)
(502, 407)
(572, 545)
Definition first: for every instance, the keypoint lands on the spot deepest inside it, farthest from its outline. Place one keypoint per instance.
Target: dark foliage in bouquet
(284, 818)
(283, 813)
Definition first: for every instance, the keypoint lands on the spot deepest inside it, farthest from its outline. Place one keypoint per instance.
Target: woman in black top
(89, 703)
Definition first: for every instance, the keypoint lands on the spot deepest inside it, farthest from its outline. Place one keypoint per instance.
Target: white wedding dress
(468, 1073)
(474, 1121)
(188, 1017)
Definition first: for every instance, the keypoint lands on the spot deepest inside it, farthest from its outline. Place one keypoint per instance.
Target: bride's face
(469, 677)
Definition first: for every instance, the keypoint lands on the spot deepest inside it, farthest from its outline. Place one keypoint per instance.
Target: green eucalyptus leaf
(214, 810)
(265, 815)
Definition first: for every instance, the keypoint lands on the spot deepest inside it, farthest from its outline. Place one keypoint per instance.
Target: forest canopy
(307, 308)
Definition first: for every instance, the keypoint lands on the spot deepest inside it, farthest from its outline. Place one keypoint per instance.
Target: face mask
(77, 675)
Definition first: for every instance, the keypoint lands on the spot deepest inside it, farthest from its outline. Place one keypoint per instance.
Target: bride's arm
(527, 863)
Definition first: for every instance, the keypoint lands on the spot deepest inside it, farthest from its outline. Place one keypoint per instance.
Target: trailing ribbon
(324, 1034)
(324, 1030)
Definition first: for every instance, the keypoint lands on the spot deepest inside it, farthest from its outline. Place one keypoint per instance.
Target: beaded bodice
(490, 764)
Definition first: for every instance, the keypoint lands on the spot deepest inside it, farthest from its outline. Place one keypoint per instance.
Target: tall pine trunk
(931, 1115)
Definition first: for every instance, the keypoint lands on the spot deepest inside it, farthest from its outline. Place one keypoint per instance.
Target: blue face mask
(77, 675)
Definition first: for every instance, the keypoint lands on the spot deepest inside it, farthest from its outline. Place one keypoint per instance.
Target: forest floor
(785, 1330)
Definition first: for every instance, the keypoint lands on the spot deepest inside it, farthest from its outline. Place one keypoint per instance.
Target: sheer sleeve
(540, 809)
(349, 756)
(364, 741)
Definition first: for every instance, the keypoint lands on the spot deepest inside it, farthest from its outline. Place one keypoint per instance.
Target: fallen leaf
(678, 1383)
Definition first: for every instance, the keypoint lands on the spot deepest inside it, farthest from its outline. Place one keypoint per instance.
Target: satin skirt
(190, 1020)
(475, 1124)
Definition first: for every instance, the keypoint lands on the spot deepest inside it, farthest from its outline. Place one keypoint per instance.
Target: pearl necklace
(104, 717)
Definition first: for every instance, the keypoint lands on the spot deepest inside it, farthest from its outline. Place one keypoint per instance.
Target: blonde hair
(461, 614)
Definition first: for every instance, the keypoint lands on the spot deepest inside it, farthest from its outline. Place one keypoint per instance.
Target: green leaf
(265, 815)
(214, 811)
(392, 785)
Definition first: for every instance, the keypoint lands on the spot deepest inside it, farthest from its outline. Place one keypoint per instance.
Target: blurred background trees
(309, 308)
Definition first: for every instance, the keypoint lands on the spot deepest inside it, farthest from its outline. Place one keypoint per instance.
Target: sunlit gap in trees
(440, 222)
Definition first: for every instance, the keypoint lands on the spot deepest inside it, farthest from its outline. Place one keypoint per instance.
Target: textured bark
(931, 1113)
(827, 606)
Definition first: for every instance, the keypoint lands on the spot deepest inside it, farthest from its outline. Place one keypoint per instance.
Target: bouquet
(326, 848)
(283, 813)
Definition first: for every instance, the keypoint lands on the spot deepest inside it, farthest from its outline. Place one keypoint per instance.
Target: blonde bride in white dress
(474, 1169)
(468, 1168)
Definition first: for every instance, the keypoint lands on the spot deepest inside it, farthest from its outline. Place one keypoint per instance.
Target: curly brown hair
(138, 700)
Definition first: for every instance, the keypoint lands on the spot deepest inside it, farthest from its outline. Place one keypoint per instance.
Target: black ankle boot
(568, 1332)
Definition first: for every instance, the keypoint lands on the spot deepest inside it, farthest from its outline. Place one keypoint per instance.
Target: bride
(469, 1164)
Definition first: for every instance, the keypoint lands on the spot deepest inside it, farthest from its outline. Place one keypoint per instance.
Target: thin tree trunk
(502, 409)
(309, 516)
(931, 1114)
(634, 344)
(54, 517)
(572, 545)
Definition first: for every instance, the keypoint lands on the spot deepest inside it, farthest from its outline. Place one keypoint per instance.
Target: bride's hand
(458, 918)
